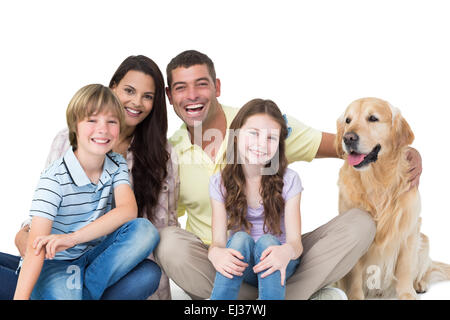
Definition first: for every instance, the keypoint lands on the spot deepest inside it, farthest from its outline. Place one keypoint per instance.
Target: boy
(69, 221)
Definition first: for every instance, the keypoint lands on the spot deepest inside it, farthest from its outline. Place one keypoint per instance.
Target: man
(330, 251)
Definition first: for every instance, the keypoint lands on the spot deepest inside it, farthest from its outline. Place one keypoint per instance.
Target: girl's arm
(278, 257)
(125, 210)
(32, 264)
(227, 261)
(293, 226)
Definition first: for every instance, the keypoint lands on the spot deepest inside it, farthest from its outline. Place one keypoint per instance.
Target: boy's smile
(97, 134)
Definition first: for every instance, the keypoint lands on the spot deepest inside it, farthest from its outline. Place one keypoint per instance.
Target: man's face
(193, 94)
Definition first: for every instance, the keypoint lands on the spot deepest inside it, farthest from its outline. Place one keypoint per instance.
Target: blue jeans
(269, 288)
(103, 266)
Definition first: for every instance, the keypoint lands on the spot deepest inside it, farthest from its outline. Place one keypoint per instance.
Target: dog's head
(370, 128)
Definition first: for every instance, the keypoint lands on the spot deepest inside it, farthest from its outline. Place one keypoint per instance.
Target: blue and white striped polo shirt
(66, 196)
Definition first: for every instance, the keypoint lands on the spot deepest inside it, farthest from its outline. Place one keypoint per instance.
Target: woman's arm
(32, 264)
(227, 261)
(125, 210)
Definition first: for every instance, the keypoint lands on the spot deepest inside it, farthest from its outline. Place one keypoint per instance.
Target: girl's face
(258, 139)
(136, 91)
(98, 133)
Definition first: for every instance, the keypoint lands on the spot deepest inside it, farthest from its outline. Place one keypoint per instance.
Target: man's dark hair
(188, 59)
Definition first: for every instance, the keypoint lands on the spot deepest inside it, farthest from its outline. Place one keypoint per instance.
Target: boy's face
(98, 133)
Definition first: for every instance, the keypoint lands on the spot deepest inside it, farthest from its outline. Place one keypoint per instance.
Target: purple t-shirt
(292, 186)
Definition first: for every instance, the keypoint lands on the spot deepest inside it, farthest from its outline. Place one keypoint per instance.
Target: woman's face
(136, 91)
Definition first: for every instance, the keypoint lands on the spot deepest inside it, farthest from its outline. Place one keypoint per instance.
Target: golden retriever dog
(373, 138)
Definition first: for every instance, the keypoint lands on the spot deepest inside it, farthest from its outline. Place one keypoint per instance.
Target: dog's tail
(438, 271)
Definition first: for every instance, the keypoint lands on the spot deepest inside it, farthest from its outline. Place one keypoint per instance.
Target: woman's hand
(275, 258)
(53, 243)
(227, 261)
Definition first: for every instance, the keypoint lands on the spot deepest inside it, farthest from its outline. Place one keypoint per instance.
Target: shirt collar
(77, 174)
(181, 139)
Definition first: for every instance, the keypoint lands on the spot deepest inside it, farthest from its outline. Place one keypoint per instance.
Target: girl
(257, 198)
(139, 85)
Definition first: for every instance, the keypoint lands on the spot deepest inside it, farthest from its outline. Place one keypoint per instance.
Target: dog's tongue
(355, 158)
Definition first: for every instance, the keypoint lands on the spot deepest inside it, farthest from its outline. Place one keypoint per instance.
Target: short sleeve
(292, 184)
(121, 176)
(216, 189)
(47, 197)
(303, 142)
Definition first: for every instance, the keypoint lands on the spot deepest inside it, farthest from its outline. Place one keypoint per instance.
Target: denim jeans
(91, 274)
(269, 288)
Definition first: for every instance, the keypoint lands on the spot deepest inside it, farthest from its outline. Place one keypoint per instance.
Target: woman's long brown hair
(149, 142)
(271, 185)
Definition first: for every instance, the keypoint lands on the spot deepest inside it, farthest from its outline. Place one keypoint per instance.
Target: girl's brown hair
(271, 185)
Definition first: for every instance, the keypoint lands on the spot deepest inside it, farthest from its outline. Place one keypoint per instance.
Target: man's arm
(326, 147)
(32, 264)
(327, 150)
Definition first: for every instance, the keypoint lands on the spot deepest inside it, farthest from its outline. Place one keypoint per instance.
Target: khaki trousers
(329, 253)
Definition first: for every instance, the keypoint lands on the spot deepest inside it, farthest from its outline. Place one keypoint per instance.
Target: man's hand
(415, 161)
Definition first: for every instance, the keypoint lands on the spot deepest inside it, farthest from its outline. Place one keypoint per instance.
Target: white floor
(438, 291)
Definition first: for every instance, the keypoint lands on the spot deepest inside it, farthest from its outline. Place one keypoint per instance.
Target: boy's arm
(32, 264)
(125, 210)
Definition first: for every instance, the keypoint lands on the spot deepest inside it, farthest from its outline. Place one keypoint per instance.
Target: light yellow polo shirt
(196, 167)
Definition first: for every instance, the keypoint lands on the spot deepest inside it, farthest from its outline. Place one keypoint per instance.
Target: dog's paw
(408, 296)
(421, 286)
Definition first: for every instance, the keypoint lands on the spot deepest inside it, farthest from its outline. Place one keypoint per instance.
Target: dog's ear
(402, 131)
(339, 135)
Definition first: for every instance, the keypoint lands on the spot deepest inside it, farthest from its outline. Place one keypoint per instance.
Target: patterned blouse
(166, 210)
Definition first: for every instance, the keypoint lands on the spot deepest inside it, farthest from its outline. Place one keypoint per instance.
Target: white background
(311, 57)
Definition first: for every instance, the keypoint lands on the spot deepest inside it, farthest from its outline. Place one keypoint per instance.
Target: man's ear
(169, 95)
(339, 134)
(403, 135)
(217, 87)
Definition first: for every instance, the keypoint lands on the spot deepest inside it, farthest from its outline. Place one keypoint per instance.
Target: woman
(139, 85)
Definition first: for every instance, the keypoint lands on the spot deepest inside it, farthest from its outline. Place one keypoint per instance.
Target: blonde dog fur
(397, 264)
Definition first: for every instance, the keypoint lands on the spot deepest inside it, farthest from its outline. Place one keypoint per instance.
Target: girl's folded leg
(117, 255)
(228, 289)
(270, 287)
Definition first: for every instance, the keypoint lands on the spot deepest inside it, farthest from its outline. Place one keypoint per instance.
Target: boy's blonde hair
(90, 100)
